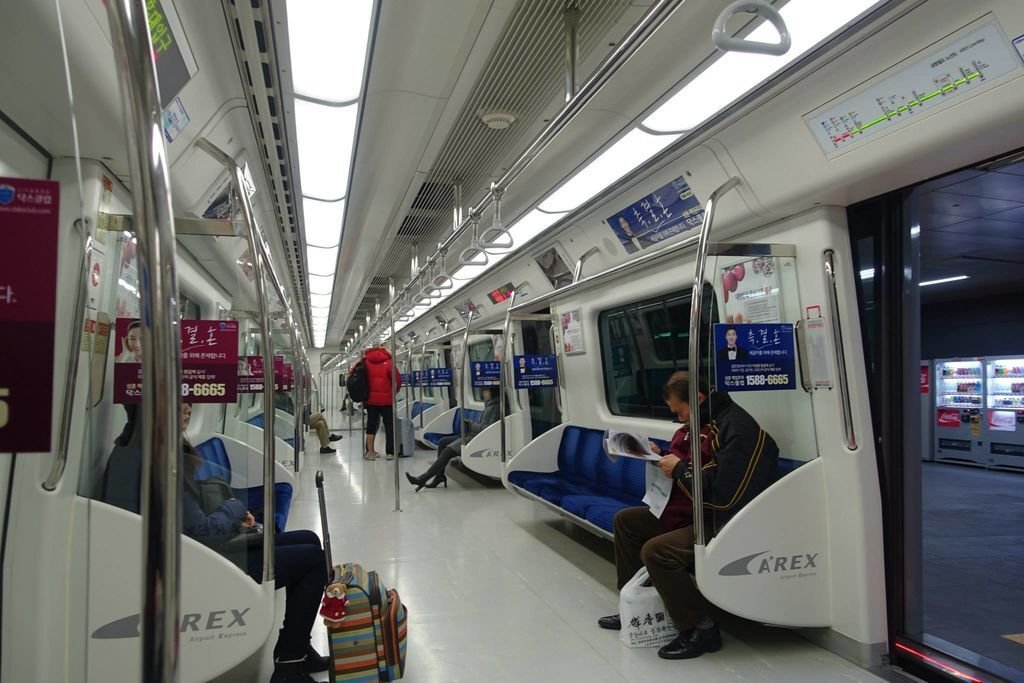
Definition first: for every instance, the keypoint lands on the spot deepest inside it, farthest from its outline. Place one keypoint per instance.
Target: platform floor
(499, 589)
(973, 559)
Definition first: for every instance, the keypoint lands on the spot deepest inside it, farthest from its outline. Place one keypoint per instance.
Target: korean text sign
(439, 377)
(536, 371)
(250, 375)
(663, 214)
(209, 361)
(485, 373)
(758, 357)
(28, 307)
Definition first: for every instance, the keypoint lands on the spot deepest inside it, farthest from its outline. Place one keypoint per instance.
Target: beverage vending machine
(1004, 400)
(959, 411)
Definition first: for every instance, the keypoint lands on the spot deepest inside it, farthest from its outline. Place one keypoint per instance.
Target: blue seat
(435, 437)
(419, 407)
(217, 464)
(587, 483)
(257, 421)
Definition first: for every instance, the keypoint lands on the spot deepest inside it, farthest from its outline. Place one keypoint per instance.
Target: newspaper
(629, 445)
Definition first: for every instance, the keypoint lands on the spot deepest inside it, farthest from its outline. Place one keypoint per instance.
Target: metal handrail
(161, 348)
(71, 371)
(849, 435)
(423, 357)
(395, 436)
(462, 377)
(502, 386)
(259, 275)
(696, 306)
(577, 272)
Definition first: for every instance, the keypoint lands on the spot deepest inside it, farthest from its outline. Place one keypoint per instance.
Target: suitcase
(407, 445)
(369, 643)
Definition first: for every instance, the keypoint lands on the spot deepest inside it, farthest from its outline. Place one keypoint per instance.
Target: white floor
(499, 589)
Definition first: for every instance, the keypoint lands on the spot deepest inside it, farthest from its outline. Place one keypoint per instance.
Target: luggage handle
(323, 523)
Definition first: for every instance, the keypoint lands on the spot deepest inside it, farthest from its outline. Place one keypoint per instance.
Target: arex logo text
(128, 627)
(770, 564)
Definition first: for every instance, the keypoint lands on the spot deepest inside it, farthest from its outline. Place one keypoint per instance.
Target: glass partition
(753, 354)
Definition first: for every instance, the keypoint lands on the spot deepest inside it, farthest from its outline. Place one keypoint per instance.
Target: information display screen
(501, 293)
(171, 71)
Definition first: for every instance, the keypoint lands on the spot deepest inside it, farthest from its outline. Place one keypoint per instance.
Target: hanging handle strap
(728, 43)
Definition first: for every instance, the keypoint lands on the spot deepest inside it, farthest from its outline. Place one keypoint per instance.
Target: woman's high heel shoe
(439, 479)
(418, 482)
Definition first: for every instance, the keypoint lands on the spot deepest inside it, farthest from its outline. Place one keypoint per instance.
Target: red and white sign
(949, 417)
(1002, 420)
(209, 361)
(29, 211)
(250, 375)
(926, 375)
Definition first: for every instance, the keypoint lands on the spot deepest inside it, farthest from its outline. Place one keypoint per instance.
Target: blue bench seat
(419, 407)
(435, 437)
(587, 484)
(217, 464)
(257, 421)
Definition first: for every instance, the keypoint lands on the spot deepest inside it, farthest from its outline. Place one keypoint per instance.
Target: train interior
(215, 210)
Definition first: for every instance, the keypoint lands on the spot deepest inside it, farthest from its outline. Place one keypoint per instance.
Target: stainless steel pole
(260, 263)
(502, 386)
(395, 436)
(462, 379)
(161, 349)
(693, 365)
(572, 50)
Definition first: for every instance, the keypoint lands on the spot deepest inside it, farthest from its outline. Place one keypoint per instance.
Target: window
(482, 350)
(642, 344)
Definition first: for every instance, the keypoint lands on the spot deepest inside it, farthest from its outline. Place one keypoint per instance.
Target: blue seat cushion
(581, 505)
(603, 515)
(215, 463)
(786, 466)
(257, 421)
(419, 407)
(434, 437)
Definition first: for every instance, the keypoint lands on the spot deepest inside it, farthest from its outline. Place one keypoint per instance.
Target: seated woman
(298, 559)
(451, 446)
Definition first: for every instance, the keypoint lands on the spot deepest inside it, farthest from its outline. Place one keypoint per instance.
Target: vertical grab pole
(395, 436)
(259, 266)
(161, 352)
(694, 361)
(502, 387)
(462, 378)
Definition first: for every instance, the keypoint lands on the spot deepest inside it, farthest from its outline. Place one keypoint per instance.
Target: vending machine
(959, 411)
(1004, 400)
(927, 409)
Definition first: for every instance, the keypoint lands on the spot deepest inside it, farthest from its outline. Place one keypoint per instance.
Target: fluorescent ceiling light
(325, 136)
(533, 224)
(321, 284)
(613, 163)
(955, 278)
(323, 221)
(735, 73)
(322, 261)
(328, 47)
(320, 300)
(867, 274)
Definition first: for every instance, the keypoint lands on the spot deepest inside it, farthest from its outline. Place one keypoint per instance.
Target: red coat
(678, 512)
(381, 372)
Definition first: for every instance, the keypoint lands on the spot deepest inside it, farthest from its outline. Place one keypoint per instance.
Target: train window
(482, 350)
(642, 344)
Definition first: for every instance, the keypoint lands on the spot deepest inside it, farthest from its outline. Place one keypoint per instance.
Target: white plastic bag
(645, 623)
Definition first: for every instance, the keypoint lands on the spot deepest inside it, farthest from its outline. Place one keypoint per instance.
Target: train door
(544, 404)
(940, 286)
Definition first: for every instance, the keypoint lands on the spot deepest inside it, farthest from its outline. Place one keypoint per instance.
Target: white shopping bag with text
(645, 623)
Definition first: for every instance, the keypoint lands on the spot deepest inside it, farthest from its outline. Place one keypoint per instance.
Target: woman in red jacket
(385, 382)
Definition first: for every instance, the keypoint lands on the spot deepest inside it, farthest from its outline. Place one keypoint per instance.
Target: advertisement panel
(755, 357)
(536, 371)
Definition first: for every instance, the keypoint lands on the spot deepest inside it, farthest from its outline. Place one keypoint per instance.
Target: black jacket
(746, 458)
(491, 414)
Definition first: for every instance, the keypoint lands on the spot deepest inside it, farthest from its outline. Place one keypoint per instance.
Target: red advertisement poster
(925, 379)
(949, 417)
(209, 361)
(29, 212)
(250, 375)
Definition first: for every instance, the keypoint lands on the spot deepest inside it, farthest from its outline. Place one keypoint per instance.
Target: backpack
(358, 383)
